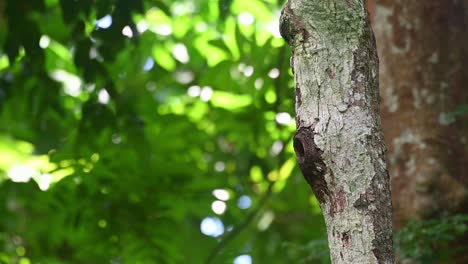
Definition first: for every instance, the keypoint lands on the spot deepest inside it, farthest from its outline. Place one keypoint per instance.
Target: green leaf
(163, 58)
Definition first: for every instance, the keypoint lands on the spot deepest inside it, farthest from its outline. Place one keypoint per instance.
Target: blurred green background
(159, 131)
(150, 131)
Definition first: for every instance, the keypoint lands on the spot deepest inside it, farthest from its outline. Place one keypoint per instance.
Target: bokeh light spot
(243, 259)
(104, 22)
(218, 207)
(244, 202)
(212, 226)
(245, 18)
(221, 194)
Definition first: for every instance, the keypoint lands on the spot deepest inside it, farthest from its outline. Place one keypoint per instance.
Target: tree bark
(339, 142)
(422, 47)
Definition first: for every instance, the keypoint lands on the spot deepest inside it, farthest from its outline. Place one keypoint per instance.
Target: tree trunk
(339, 142)
(422, 47)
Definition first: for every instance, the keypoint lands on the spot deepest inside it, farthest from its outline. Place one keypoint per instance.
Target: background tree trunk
(422, 49)
(338, 142)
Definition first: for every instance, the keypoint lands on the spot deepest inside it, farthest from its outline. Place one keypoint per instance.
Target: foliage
(428, 241)
(315, 251)
(119, 118)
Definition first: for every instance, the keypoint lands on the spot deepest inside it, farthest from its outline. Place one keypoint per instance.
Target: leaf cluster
(431, 241)
(119, 118)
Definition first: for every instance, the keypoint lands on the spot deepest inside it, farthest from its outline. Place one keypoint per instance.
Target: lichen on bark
(339, 142)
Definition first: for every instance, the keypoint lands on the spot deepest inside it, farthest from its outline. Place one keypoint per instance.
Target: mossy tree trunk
(339, 142)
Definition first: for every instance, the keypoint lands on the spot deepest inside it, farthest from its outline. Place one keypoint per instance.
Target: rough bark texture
(422, 48)
(339, 143)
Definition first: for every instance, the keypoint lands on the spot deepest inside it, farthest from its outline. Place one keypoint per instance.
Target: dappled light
(149, 64)
(212, 226)
(103, 96)
(148, 132)
(221, 194)
(127, 31)
(246, 18)
(220, 166)
(283, 118)
(180, 53)
(265, 220)
(243, 259)
(44, 42)
(218, 207)
(44, 181)
(206, 93)
(20, 173)
(244, 202)
(72, 84)
(104, 22)
(274, 73)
